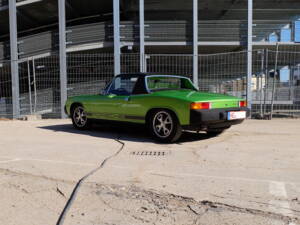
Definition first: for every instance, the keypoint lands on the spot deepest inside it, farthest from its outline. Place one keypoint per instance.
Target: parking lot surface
(248, 175)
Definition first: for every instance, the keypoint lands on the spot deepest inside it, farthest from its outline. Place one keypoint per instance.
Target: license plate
(236, 115)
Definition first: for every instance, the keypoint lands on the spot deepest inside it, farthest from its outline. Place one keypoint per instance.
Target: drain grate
(150, 153)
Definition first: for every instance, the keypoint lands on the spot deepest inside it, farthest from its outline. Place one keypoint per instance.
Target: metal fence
(276, 87)
(5, 90)
(275, 80)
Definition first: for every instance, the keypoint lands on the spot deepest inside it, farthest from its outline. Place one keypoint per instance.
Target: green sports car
(166, 104)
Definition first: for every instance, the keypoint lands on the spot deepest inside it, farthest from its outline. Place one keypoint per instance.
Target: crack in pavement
(72, 197)
(233, 208)
(260, 202)
(136, 202)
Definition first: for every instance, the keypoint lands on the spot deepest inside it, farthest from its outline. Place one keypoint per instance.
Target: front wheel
(165, 126)
(79, 118)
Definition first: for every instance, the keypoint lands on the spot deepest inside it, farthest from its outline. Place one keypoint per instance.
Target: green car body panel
(134, 108)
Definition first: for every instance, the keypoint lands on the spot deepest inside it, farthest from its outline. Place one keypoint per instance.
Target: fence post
(195, 43)
(34, 85)
(62, 55)
(266, 83)
(249, 53)
(261, 82)
(29, 86)
(14, 58)
(274, 81)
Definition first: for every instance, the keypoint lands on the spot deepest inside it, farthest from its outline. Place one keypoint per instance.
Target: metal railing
(276, 93)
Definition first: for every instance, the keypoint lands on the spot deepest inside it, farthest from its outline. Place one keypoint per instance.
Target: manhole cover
(150, 153)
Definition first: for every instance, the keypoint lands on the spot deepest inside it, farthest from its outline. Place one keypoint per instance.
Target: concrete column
(249, 54)
(62, 55)
(142, 37)
(117, 45)
(195, 44)
(14, 58)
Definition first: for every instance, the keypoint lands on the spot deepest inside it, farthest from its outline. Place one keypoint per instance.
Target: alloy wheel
(163, 124)
(80, 117)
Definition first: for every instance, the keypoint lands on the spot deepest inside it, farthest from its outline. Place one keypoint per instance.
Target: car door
(113, 104)
(134, 108)
(102, 107)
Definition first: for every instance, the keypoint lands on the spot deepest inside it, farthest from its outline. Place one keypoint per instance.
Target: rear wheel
(79, 118)
(164, 126)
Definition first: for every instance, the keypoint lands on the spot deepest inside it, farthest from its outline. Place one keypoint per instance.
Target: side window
(123, 86)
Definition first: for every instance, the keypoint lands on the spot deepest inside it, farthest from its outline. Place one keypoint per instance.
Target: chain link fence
(275, 80)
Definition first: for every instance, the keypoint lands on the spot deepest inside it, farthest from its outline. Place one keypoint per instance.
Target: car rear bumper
(213, 118)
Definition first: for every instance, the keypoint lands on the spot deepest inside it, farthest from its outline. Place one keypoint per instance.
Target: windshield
(122, 85)
(159, 83)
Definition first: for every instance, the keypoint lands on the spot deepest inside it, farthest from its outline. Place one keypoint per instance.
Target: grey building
(51, 49)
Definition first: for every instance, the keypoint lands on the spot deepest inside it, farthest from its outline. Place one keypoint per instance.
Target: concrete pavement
(248, 175)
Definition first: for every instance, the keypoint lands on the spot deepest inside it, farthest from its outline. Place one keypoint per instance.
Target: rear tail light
(243, 103)
(201, 105)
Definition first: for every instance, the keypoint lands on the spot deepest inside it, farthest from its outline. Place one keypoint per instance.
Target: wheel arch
(73, 105)
(152, 110)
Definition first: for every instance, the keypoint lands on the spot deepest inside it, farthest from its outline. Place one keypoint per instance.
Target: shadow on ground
(127, 133)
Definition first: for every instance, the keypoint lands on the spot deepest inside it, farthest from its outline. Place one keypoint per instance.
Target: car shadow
(130, 133)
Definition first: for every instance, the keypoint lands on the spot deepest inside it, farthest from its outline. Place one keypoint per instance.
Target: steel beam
(117, 45)
(26, 2)
(62, 55)
(14, 58)
(142, 37)
(249, 53)
(195, 43)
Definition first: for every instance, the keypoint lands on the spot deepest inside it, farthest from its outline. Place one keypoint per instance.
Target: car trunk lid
(217, 100)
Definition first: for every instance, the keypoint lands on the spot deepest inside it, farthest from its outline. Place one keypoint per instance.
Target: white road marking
(48, 161)
(121, 167)
(280, 204)
(277, 189)
(215, 177)
(11, 160)
(3, 157)
(61, 162)
(152, 172)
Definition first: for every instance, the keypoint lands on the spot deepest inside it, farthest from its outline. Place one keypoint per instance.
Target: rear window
(158, 83)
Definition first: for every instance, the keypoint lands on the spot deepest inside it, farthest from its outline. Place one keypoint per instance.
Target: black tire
(79, 118)
(164, 126)
(216, 132)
